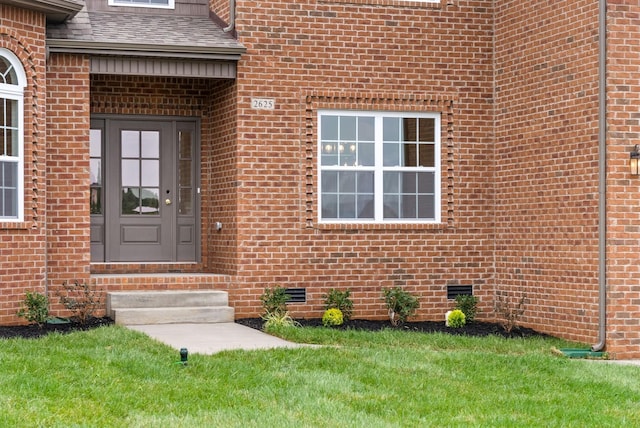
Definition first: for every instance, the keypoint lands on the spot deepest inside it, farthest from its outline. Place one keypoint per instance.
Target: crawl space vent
(296, 295)
(454, 291)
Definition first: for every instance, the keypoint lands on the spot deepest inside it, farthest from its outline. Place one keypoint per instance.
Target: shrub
(35, 308)
(456, 319)
(339, 300)
(400, 304)
(508, 312)
(332, 317)
(468, 304)
(274, 301)
(81, 299)
(277, 320)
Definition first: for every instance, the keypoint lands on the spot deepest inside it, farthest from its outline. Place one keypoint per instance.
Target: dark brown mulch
(33, 331)
(476, 328)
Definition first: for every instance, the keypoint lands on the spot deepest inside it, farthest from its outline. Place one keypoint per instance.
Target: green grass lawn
(114, 377)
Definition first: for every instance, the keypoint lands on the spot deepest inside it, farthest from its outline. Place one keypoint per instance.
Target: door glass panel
(150, 201)
(130, 144)
(185, 182)
(185, 201)
(150, 173)
(95, 167)
(140, 173)
(150, 144)
(185, 173)
(130, 172)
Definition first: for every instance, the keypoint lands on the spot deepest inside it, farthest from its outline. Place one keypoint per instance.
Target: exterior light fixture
(184, 354)
(634, 161)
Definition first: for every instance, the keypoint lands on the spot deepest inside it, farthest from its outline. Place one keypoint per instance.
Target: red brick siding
(382, 56)
(22, 245)
(219, 157)
(67, 169)
(546, 163)
(623, 208)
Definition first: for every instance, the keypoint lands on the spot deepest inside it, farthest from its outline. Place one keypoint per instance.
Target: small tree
(509, 312)
(400, 304)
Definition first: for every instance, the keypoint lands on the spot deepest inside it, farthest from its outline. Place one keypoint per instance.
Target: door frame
(99, 239)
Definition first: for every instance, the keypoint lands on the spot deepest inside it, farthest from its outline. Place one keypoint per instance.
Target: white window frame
(16, 92)
(379, 169)
(170, 4)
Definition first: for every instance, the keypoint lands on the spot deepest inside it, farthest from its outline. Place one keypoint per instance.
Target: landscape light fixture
(634, 161)
(184, 354)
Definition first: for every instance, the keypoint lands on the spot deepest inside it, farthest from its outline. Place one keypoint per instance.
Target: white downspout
(602, 177)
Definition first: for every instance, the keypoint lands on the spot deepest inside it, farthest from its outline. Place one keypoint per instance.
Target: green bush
(274, 301)
(400, 304)
(456, 319)
(339, 300)
(332, 317)
(468, 304)
(81, 299)
(35, 308)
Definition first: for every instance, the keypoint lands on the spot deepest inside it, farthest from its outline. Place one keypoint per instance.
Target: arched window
(12, 83)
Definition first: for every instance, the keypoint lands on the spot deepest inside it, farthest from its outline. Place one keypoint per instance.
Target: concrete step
(166, 298)
(194, 314)
(169, 306)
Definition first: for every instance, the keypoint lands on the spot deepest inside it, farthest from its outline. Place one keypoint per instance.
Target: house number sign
(263, 103)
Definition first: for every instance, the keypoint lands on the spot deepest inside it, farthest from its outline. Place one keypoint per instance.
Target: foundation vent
(296, 295)
(454, 291)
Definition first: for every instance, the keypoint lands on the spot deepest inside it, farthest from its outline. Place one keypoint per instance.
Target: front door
(148, 191)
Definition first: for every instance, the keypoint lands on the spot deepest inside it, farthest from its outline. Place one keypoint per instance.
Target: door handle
(167, 201)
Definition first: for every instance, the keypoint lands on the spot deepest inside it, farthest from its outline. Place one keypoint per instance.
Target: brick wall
(623, 208)
(22, 245)
(399, 56)
(68, 244)
(546, 163)
(219, 178)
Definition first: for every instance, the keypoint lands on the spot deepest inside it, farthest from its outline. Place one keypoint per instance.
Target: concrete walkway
(211, 338)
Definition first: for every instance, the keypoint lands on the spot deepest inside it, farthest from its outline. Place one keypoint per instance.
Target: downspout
(232, 16)
(602, 177)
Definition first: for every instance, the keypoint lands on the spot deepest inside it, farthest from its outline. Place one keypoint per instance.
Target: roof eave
(144, 50)
(57, 11)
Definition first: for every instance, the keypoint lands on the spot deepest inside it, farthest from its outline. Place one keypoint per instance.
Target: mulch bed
(33, 331)
(476, 328)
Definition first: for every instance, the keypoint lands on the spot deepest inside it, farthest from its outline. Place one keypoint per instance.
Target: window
(12, 83)
(166, 4)
(379, 167)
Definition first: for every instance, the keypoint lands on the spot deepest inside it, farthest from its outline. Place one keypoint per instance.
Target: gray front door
(149, 191)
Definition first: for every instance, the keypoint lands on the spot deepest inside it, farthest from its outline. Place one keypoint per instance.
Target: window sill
(17, 225)
(381, 226)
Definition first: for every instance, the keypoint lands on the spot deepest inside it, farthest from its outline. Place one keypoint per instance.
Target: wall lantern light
(634, 161)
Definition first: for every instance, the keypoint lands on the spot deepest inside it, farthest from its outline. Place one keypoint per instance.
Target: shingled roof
(148, 34)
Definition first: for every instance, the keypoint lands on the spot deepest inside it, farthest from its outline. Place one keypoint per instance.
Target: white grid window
(165, 4)
(378, 167)
(12, 83)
